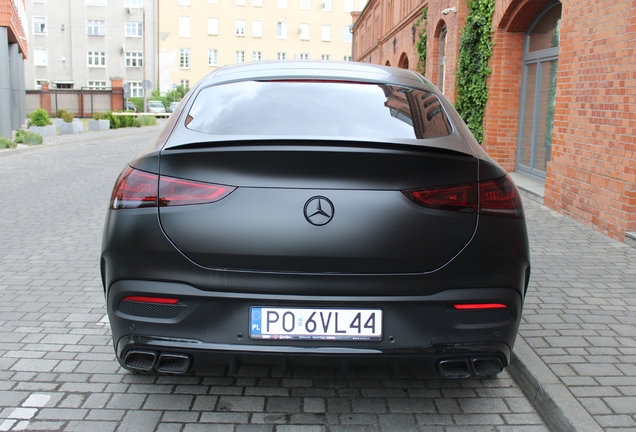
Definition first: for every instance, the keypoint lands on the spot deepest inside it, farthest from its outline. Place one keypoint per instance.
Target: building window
(348, 36)
(134, 59)
(135, 89)
(257, 3)
(239, 28)
(257, 28)
(213, 26)
(39, 25)
(347, 58)
(96, 27)
(213, 57)
(134, 29)
(184, 58)
(348, 6)
(282, 4)
(184, 2)
(63, 85)
(281, 56)
(240, 2)
(305, 4)
(38, 83)
(40, 57)
(185, 83)
(303, 56)
(442, 60)
(282, 30)
(257, 56)
(134, 3)
(97, 85)
(326, 33)
(325, 57)
(240, 57)
(326, 5)
(184, 26)
(95, 2)
(304, 32)
(96, 58)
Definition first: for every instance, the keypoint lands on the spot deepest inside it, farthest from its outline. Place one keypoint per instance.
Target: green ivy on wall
(420, 43)
(475, 49)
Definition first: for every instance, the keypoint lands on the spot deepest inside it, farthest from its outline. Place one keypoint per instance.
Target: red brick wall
(592, 174)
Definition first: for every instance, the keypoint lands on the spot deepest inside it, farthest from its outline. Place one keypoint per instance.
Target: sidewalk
(575, 358)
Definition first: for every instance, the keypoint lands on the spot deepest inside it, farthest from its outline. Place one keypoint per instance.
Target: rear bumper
(213, 327)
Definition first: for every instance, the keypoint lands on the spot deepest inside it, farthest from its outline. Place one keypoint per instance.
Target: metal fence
(82, 102)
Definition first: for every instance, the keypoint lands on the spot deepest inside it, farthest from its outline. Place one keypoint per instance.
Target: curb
(83, 137)
(557, 407)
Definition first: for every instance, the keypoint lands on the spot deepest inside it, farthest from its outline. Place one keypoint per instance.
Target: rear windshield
(310, 108)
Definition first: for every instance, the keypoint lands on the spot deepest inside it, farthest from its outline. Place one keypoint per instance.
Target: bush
(97, 116)
(67, 117)
(126, 121)
(26, 137)
(139, 103)
(59, 113)
(136, 123)
(6, 143)
(39, 117)
(147, 120)
(114, 120)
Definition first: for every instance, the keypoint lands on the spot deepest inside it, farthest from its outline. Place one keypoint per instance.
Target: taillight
(144, 299)
(477, 306)
(498, 197)
(137, 189)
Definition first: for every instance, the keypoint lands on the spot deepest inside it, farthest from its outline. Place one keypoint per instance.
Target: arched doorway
(540, 64)
(442, 59)
(403, 63)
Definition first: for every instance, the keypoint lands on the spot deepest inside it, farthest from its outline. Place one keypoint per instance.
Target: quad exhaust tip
(465, 367)
(146, 361)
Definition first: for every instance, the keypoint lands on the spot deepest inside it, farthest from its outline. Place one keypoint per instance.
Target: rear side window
(318, 109)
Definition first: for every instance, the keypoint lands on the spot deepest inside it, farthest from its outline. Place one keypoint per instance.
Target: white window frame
(346, 58)
(303, 56)
(40, 57)
(257, 56)
(282, 4)
(325, 57)
(185, 83)
(39, 25)
(348, 36)
(134, 59)
(135, 89)
(96, 59)
(133, 29)
(257, 29)
(97, 27)
(304, 32)
(213, 57)
(326, 5)
(135, 4)
(325, 33)
(281, 56)
(184, 26)
(240, 27)
(239, 56)
(213, 26)
(363, 3)
(348, 6)
(305, 4)
(97, 85)
(38, 83)
(257, 3)
(281, 30)
(184, 58)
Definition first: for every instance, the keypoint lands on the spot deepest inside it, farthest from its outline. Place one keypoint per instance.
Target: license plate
(315, 324)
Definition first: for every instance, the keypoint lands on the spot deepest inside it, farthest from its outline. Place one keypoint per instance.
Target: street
(57, 367)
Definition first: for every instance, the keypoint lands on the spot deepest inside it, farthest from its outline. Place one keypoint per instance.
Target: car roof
(307, 69)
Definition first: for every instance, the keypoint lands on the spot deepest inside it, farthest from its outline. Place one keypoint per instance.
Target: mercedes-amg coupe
(315, 211)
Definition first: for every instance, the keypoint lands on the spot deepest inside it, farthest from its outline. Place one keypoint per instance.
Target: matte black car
(315, 211)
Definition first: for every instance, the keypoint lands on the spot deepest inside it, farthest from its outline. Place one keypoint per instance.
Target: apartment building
(13, 50)
(198, 36)
(84, 43)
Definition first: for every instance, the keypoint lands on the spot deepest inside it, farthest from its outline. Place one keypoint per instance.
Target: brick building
(13, 51)
(562, 104)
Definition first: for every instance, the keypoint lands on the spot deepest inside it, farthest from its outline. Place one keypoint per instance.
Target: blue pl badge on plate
(255, 324)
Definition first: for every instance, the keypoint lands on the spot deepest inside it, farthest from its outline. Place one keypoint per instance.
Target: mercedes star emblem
(319, 211)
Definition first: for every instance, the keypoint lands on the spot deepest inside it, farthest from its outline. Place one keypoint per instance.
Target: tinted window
(329, 109)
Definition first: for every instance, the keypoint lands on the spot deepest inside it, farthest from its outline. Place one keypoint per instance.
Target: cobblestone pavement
(57, 368)
(580, 318)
